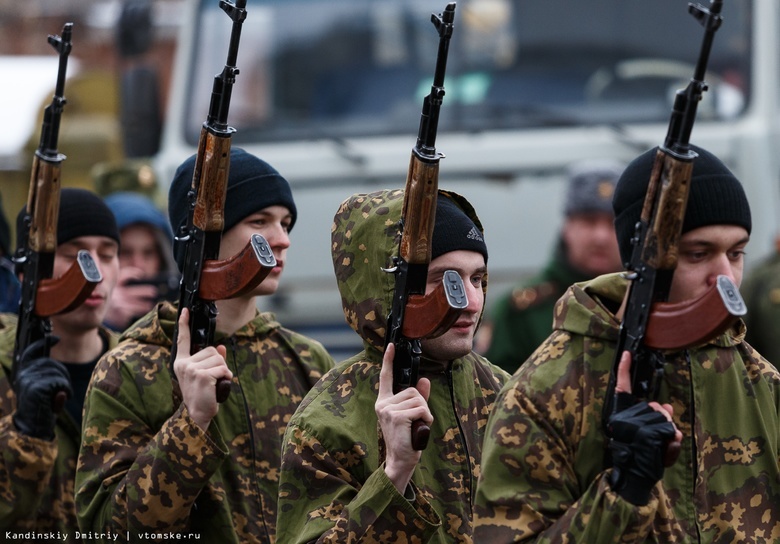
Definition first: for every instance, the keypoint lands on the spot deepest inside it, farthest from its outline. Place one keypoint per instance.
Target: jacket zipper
(694, 454)
(250, 431)
(451, 385)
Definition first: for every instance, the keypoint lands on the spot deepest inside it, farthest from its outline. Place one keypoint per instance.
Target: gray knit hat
(591, 186)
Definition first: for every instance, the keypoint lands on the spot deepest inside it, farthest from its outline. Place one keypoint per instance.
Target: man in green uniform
(586, 248)
(160, 456)
(349, 473)
(39, 448)
(761, 291)
(544, 476)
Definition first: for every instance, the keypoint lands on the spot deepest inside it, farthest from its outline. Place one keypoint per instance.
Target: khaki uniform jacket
(36, 476)
(544, 477)
(146, 467)
(333, 484)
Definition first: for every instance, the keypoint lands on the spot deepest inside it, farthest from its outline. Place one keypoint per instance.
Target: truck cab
(330, 94)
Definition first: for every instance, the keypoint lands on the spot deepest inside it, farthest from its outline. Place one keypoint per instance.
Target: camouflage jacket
(761, 290)
(145, 464)
(36, 476)
(333, 485)
(543, 477)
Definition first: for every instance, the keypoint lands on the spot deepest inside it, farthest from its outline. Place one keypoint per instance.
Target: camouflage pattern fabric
(761, 291)
(543, 477)
(333, 485)
(146, 465)
(36, 476)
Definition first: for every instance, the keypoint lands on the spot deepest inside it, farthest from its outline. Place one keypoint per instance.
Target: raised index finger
(183, 334)
(623, 383)
(386, 374)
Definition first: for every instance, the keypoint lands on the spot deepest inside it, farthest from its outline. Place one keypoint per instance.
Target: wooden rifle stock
(43, 296)
(650, 324)
(416, 315)
(205, 278)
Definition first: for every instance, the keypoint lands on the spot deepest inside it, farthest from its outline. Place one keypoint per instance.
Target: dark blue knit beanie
(716, 197)
(253, 185)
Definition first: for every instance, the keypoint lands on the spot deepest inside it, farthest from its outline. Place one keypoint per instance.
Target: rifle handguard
(238, 275)
(69, 291)
(681, 325)
(432, 315)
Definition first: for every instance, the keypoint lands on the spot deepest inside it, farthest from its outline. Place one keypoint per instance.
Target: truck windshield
(353, 68)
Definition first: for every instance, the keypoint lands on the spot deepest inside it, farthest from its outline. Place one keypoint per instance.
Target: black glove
(37, 382)
(638, 439)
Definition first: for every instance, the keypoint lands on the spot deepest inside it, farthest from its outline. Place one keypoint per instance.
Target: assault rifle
(650, 324)
(42, 296)
(205, 279)
(415, 315)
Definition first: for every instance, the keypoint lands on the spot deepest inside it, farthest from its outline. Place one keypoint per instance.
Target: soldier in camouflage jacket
(159, 455)
(38, 462)
(337, 482)
(546, 475)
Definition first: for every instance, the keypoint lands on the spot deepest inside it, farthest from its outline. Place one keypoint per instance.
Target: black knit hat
(253, 185)
(82, 213)
(716, 197)
(454, 230)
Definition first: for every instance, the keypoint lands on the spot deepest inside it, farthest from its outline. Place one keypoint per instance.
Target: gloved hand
(638, 439)
(37, 382)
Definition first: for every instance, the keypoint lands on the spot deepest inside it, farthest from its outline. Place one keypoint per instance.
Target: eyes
(105, 254)
(477, 279)
(702, 254)
(263, 221)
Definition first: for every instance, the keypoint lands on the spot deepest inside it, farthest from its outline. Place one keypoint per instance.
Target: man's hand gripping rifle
(416, 315)
(650, 324)
(205, 279)
(42, 295)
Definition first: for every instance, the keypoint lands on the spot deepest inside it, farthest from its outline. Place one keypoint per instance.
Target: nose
(475, 296)
(604, 232)
(721, 266)
(278, 237)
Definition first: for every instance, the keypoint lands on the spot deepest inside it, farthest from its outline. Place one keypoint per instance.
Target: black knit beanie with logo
(252, 186)
(716, 197)
(82, 213)
(454, 230)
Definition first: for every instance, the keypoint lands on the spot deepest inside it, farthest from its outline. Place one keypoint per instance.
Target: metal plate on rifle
(455, 290)
(263, 251)
(88, 267)
(732, 300)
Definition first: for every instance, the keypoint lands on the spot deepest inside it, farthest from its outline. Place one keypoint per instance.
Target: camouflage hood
(364, 239)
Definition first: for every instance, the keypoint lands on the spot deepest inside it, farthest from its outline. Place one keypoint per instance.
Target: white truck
(330, 94)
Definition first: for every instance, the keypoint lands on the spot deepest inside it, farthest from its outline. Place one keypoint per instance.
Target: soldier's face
(591, 243)
(458, 340)
(139, 250)
(274, 224)
(706, 253)
(105, 253)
